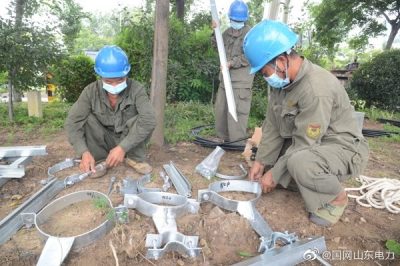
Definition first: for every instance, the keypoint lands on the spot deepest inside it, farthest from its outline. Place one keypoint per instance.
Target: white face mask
(237, 25)
(115, 89)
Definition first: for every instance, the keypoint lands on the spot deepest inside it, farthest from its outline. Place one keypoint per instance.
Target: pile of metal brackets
(15, 158)
(164, 208)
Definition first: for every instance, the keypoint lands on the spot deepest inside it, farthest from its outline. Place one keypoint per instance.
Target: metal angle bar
(224, 64)
(16, 168)
(11, 172)
(181, 184)
(289, 255)
(19, 151)
(13, 222)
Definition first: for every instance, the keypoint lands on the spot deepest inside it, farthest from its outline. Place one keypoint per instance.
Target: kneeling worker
(113, 118)
(309, 134)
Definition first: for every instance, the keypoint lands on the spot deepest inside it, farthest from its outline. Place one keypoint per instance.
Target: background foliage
(377, 81)
(72, 75)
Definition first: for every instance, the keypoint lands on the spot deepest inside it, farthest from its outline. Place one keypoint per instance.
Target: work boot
(140, 167)
(328, 215)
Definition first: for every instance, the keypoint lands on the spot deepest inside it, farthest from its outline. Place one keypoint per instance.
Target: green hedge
(378, 81)
(72, 75)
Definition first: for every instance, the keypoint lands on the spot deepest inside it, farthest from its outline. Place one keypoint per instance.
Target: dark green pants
(225, 126)
(319, 170)
(101, 140)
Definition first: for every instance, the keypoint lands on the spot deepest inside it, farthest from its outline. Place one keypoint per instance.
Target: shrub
(72, 75)
(377, 81)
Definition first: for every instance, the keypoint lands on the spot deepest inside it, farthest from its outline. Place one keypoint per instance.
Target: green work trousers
(319, 170)
(101, 140)
(225, 126)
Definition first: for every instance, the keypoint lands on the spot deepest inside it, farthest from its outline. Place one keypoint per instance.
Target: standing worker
(112, 118)
(309, 133)
(226, 127)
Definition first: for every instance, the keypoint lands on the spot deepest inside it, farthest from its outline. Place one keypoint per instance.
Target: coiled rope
(379, 193)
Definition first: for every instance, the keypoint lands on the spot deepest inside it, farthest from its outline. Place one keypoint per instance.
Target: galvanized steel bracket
(293, 248)
(57, 248)
(164, 208)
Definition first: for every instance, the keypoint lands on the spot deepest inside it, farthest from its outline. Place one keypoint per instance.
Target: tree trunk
(159, 69)
(271, 9)
(286, 9)
(10, 101)
(393, 32)
(180, 9)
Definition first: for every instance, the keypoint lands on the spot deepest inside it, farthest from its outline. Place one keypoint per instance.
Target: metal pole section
(271, 9)
(13, 222)
(22, 151)
(224, 64)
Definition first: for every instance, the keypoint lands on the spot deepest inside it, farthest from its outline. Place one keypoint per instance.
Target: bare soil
(224, 236)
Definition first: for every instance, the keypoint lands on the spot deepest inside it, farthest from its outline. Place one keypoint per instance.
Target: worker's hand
(87, 162)
(115, 157)
(256, 171)
(267, 182)
(214, 24)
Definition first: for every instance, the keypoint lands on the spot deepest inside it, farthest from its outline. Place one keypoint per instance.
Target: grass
(54, 115)
(179, 119)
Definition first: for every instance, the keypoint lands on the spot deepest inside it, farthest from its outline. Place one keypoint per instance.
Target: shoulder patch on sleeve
(313, 130)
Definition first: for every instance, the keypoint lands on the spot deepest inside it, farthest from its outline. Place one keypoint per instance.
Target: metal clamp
(57, 248)
(164, 208)
(137, 186)
(234, 177)
(293, 250)
(246, 209)
(171, 241)
(51, 171)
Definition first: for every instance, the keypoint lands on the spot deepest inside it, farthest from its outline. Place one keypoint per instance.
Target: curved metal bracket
(164, 208)
(52, 253)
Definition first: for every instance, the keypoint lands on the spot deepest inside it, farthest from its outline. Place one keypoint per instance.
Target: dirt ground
(224, 236)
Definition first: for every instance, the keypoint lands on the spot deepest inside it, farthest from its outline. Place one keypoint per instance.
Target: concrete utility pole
(159, 69)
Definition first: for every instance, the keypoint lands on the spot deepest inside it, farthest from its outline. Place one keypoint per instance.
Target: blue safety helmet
(265, 41)
(238, 11)
(112, 62)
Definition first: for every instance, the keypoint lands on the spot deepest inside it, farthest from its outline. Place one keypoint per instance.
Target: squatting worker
(113, 118)
(309, 133)
(226, 127)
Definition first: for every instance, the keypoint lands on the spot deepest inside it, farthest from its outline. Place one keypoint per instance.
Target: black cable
(392, 122)
(230, 145)
(377, 133)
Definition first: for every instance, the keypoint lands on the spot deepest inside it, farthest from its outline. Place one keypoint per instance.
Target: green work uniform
(226, 127)
(93, 125)
(315, 114)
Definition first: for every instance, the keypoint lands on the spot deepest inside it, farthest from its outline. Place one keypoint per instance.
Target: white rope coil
(379, 193)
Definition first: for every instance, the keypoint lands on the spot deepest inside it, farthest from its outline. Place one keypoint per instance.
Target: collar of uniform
(302, 71)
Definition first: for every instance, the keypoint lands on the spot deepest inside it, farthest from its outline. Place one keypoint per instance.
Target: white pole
(224, 64)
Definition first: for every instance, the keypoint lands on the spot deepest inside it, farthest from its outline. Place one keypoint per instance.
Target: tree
(70, 15)
(26, 48)
(159, 69)
(335, 18)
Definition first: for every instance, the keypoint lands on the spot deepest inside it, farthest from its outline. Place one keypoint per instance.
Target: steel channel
(181, 184)
(13, 222)
(22, 151)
